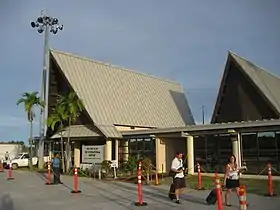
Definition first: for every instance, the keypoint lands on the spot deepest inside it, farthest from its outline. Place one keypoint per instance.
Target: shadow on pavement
(43, 176)
(153, 196)
(6, 203)
(160, 194)
(119, 197)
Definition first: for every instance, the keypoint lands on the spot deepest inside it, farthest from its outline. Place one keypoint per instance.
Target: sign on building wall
(92, 154)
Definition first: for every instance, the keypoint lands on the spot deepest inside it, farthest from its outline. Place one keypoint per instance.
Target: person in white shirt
(231, 178)
(179, 181)
(7, 156)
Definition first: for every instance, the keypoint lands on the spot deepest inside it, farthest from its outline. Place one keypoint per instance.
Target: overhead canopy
(76, 131)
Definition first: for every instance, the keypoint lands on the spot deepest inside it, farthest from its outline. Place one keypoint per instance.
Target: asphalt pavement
(28, 191)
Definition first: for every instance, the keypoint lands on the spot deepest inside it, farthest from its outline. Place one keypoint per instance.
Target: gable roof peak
(111, 65)
(239, 58)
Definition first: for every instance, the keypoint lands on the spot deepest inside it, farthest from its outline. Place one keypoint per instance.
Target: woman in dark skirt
(231, 180)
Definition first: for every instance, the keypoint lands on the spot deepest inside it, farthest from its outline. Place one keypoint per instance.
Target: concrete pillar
(240, 155)
(160, 155)
(77, 154)
(116, 150)
(108, 149)
(190, 155)
(235, 149)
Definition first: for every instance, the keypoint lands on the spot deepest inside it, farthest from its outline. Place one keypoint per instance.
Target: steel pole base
(141, 204)
(10, 178)
(76, 191)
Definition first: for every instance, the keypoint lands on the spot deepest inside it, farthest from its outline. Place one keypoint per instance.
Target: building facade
(130, 114)
(115, 100)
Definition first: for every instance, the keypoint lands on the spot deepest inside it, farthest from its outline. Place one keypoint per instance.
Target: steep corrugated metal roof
(77, 131)
(267, 82)
(114, 95)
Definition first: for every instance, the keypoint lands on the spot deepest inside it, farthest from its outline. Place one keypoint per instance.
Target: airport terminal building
(128, 113)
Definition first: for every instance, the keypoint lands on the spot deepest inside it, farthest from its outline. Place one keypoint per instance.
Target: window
(267, 149)
(123, 152)
(143, 147)
(25, 156)
(200, 149)
(267, 141)
(277, 135)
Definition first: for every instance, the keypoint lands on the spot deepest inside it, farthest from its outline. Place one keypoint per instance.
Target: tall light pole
(46, 24)
(203, 113)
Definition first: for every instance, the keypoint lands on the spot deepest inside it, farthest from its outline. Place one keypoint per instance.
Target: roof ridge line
(114, 66)
(257, 71)
(261, 68)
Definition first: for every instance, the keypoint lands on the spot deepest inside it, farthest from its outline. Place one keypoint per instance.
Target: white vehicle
(22, 160)
(12, 149)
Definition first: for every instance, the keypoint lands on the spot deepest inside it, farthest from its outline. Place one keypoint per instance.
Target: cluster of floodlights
(44, 21)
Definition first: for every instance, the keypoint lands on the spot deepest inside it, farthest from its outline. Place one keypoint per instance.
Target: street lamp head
(55, 31)
(33, 24)
(47, 23)
(54, 21)
(40, 20)
(40, 30)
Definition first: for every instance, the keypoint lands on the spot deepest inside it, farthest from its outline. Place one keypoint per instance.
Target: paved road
(28, 191)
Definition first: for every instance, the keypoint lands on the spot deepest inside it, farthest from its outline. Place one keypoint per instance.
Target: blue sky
(182, 40)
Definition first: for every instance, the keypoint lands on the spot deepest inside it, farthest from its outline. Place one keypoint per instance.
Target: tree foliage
(30, 100)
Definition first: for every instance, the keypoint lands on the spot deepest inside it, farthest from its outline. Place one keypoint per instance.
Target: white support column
(77, 154)
(239, 150)
(190, 155)
(116, 150)
(161, 155)
(108, 149)
(235, 149)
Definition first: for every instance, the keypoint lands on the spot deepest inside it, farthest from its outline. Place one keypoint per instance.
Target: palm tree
(57, 118)
(30, 100)
(72, 107)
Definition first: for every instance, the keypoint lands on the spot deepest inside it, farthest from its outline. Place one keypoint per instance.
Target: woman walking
(231, 179)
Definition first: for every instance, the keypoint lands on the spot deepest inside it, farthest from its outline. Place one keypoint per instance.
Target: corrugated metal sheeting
(117, 96)
(264, 80)
(77, 131)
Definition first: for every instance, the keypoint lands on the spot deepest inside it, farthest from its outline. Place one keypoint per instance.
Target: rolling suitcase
(171, 193)
(212, 197)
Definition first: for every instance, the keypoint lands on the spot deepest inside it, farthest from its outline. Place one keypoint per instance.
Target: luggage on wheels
(212, 197)
(171, 193)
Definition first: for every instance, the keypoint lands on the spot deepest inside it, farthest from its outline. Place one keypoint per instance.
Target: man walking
(56, 170)
(179, 182)
(7, 156)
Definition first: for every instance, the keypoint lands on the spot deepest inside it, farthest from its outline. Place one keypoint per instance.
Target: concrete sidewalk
(28, 191)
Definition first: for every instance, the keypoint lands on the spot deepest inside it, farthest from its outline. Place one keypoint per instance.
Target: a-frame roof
(117, 96)
(267, 83)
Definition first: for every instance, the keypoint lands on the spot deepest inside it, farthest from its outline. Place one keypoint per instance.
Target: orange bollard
(76, 182)
(156, 182)
(49, 174)
(270, 181)
(219, 192)
(2, 166)
(10, 177)
(140, 190)
(242, 198)
(199, 181)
